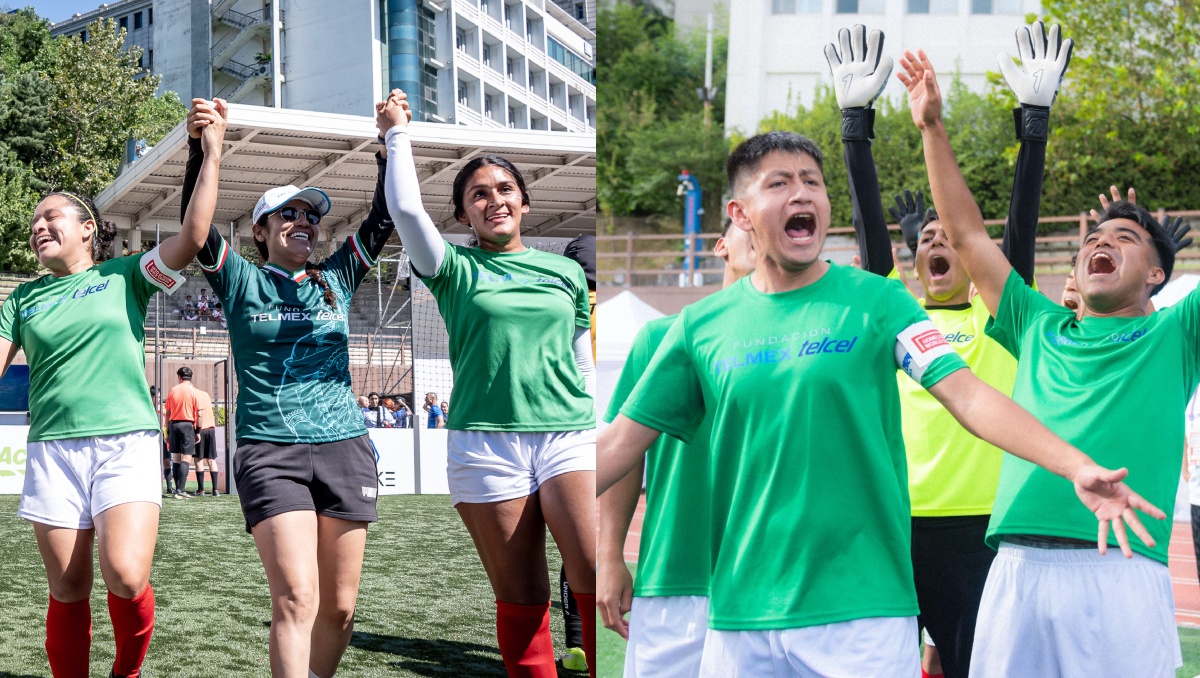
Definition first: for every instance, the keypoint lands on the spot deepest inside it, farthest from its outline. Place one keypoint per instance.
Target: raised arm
(959, 214)
(1035, 81)
(989, 415)
(418, 234)
(196, 214)
(860, 72)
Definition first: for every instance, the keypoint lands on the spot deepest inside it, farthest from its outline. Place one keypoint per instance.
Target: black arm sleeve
(191, 175)
(870, 224)
(1020, 230)
(208, 254)
(378, 226)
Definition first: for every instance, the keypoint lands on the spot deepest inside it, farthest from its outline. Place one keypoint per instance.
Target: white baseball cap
(278, 197)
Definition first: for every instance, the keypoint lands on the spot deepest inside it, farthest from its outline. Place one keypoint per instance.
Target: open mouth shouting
(939, 267)
(1101, 263)
(1071, 302)
(40, 240)
(801, 228)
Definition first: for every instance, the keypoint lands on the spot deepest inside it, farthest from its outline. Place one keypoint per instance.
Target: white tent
(1175, 290)
(618, 321)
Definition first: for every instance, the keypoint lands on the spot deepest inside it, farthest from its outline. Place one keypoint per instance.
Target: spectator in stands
(398, 410)
(446, 409)
(188, 304)
(364, 406)
(437, 418)
(375, 416)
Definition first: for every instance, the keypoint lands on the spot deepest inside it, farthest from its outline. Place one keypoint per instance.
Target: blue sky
(55, 10)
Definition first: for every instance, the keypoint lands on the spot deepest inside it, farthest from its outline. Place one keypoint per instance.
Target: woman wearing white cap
(305, 468)
(92, 471)
(521, 454)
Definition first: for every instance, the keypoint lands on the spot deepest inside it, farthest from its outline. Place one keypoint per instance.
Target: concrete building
(776, 47)
(521, 64)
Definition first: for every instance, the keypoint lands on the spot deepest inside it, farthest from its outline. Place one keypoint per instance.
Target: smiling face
(1117, 267)
(58, 236)
(289, 242)
(493, 203)
(784, 205)
(1070, 294)
(938, 268)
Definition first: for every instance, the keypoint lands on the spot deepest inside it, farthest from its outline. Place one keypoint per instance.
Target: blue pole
(692, 211)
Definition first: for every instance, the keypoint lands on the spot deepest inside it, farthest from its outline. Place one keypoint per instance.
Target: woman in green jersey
(92, 469)
(305, 469)
(521, 447)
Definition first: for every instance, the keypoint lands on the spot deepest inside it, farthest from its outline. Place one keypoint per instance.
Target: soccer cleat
(574, 660)
(215, 494)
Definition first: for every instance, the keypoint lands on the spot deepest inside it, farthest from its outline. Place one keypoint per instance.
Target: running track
(1182, 563)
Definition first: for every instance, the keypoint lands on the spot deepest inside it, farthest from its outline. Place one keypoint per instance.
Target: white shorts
(1075, 613)
(876, 646)
(71, 481)
(490, 466)
(666, 636)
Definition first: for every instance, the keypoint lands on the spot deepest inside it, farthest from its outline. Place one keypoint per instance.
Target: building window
(123, 22)
(529, 29)
(487, 54)
(460, 39)
(512, 69)
(512, 117)
(575, 63)
(150, 16)
(933, 6)
(996, 6)
(487, 105)
(580, 12)
(141, 60)
(464, 97)
(508, 16)
(150, 58)
(137, 20)
(860, 6)
(83, 36)
(795, 6)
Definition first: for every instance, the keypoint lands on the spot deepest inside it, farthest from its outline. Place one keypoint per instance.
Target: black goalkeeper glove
(909, 214)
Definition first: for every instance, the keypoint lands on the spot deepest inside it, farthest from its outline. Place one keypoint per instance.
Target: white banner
(12, 458)
(394, 457)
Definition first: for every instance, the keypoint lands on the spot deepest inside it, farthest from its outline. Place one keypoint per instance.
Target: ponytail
(315, 273)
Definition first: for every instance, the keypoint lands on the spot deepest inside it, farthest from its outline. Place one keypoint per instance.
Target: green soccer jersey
(809, 489)
(674, 552)
(512, 318)
(1116, 388)
(84, 338)
(290, 348)
(950, 471)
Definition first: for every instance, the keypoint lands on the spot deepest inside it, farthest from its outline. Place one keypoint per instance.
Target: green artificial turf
(424, 606)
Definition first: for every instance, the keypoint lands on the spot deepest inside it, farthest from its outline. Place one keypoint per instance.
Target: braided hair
(106, 231)
(310, 268)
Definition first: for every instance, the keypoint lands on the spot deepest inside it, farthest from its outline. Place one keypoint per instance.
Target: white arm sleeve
(583, 358)
(420, 237)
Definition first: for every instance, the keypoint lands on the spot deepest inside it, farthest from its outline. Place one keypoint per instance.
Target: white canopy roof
(1179, 287)
(619, 320)
(268, 147)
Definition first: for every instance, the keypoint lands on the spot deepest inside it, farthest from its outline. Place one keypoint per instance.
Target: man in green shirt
(669, 605)
(1113, 382)
(796, 366)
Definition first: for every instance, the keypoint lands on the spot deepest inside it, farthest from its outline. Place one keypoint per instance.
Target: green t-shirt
(674, 552)
(950, 471)
(512, 318)
(290, 348)
(809, 489)
(1116, 388)
(84, 338)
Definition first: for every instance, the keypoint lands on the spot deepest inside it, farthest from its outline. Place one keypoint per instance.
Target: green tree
(650, 118)
(101, 91)
(17, 203)
(1129, 109)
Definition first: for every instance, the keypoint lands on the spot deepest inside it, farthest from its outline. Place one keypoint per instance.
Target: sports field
(610, 648)
(425, 607)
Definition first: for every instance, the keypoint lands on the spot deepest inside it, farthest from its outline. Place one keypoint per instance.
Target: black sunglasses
(291, 214)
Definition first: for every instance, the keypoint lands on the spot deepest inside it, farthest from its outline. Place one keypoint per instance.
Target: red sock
(133, 624)
(926, 674)
(69, 638)
(523, 632)
(587, 612)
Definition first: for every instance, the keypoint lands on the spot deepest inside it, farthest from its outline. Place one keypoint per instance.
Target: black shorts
(206, 443)
(183, 437)
(337, 479)
(950, 567)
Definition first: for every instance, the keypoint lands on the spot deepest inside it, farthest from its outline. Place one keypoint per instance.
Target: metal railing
(244, 72)
(627, 258)
(242, 21)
